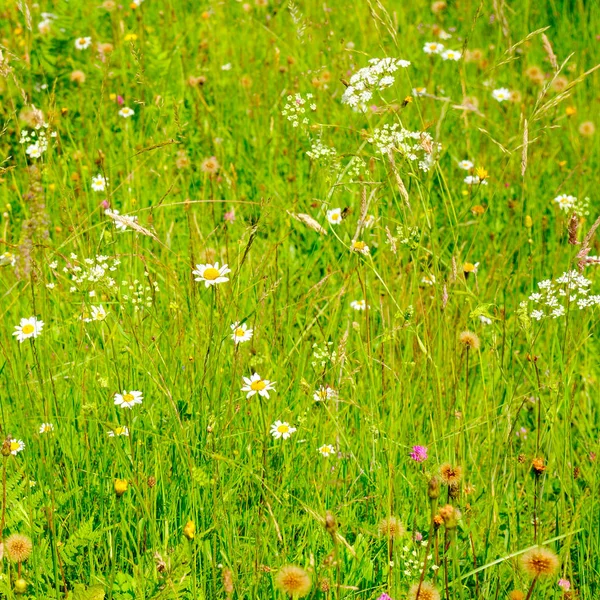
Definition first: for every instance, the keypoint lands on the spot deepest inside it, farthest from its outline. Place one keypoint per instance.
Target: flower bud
(120, 487)
(189, 530)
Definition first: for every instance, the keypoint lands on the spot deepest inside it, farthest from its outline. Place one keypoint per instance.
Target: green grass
(198, 450)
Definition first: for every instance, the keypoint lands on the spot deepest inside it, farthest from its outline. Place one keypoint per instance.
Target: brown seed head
(391, 527)
(469, 340)
(423, 591)
(516, 595)
(539, 562)
(18, 547)
(538, 465)
(450, 475)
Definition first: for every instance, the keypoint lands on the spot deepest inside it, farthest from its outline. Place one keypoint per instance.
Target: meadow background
(200, 500)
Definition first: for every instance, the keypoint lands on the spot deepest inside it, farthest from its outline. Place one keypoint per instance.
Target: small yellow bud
(120, 486)
(189, 530)
(528, 222)
(20, 586)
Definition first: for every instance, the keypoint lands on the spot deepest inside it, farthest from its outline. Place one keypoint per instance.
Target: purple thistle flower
(419, 453)
(384, 596)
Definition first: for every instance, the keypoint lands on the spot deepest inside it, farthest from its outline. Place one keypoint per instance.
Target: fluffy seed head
(18, 547)
(391, 527)
(450, 475)
(294, 581)
(539, 562)
(469, 340)
(426, 592)
(516, 595)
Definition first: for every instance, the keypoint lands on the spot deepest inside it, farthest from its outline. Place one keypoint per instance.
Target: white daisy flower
(281, 429)
(128, 399)
(126, 112)
(326, 450)
(98, 313)
(475, 180)
(119, 431)
(565, 202)
(82, 43)
(451, 55)
(16, 446)
(46, 428)
(241, 333)
(324, 393)
(211, 274)
(419, 91)
(358, 304)
(433, 48)
(467, 165)
(334, 216)
(99, 183)
(359, 246)
(255, 385)
(28, 328)
(501, 94)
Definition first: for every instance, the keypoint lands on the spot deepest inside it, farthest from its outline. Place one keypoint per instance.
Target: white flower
(334, 216)
(361, 247)
(16, 446)
(324, 393)
(255, 385)
(211, 274)
(99, 183)
(475, 180)
(326, 450)
(501, 94)
(428, 279)
(28, 328)
(119, 431)
(241, 333)
(126, 112)
(419, 91)
(358, 304)
(281, 429)
(565, 202)
(433, 48)
(467, 165)
(128, 399)
(226, 67)
(98, 313)
(83, 43)
(451, 55)
(119, 224)
(485, 320)
(46, 428)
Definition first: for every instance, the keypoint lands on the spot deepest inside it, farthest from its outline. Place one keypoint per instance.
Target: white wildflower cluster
(321, 152)
(356, 168)
(554, 298)
(140, 296)
(295, 109)
(412, 563)
(89, 270)
(374, 78)
(416, 146)
(36, 140)
(572, 204)
(323, 354)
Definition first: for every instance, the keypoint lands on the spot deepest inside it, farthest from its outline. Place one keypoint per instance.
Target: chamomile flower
(475, 180)
(46, 428)
(360, 246)
(15, 446)
(565, 202)
(334, 216)
(419, 91)
(256, 385)
(358, 304)
(28, 328)
(433, 48)
(126, 112)
(128, 399)
(326, 450)
(324, 393)
(83, 43)
(467, 165)
(98, 313)
(241, 333)
(501, 94)
(119, 431)
(281, 429)
(451, 55)
(99, 183)
(211, 274)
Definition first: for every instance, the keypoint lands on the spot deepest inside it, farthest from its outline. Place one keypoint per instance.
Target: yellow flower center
(257, 386)
(211, 273)
(283, 428)
(27, 329)
(468, 267)
(14, 446)
(240, 332)
(359, 245)
(128, 398)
